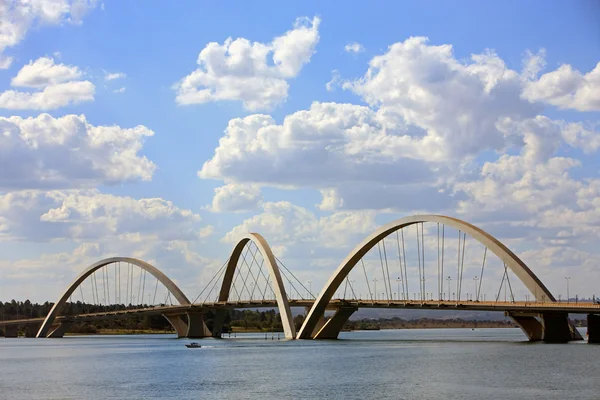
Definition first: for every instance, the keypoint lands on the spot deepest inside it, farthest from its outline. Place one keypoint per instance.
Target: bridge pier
(11, 331)
(530, 325)
(550, 327)
(593, 329)
(333, 326)
(218, 322)
(196, 327)
(31, 330)
(178, 324)
(59, 331)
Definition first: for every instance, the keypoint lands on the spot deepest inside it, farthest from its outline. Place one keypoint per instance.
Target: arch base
(178, 324)
(333, 326)
(60, 330)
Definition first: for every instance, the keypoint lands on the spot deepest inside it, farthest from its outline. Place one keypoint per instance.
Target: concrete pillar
(218, 322)
(196, 327)
(593, 329)
(11, 331)
(331, 329)
(59, 331)
(557, 328)
(530, 325)
(31, 330)
(178, 324)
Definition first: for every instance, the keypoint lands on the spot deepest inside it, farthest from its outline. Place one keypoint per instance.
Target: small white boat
(193, 345)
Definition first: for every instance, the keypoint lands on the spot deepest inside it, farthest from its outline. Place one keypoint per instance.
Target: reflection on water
(387, 364)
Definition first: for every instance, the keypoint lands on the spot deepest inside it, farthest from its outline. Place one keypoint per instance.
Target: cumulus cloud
(88, 215)
(354, 48)
(566, 88)
(251, 72)
(59, 85)
(235, 197)
(69, 152)
(18, 16)
(536, 187)
(283, 223)
(429, 119)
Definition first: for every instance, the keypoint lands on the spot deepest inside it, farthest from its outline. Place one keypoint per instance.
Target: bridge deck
(519, 306)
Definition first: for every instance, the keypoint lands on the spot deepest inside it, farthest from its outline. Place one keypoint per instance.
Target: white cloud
(354, 48)
(18, 16)
(283, 223)
(430, 117)
(235, 197)
(251, 72)
(455, 105)
(111, 76)
(335, 81)
(88, 215)
(59, 83)
(69, 152)
(44, 72)
(120, 90)
(567, 88)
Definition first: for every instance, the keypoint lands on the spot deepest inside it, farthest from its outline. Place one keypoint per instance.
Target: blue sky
(539, 120)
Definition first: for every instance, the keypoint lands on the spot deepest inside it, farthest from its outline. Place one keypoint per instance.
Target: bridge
(446, 252)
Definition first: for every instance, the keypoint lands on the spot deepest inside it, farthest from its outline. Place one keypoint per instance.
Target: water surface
(388, 364)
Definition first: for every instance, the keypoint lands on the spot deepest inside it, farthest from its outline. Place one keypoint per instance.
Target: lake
(387, 364)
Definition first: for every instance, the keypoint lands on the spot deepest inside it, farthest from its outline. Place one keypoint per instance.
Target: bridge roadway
(335, 304)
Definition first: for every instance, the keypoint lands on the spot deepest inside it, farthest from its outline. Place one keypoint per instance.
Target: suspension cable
(367, 278)
(438, 262)
(211, 280)
(462, 262)
(401, 277)
(458, 267)
(424, 291)
(383, 271)
(419, 261)
(508, 281)
(442, 263)
(387, 268)
(279, 262)
(406, 297)
(481, 275)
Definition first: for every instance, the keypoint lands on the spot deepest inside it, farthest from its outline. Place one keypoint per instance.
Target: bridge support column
(593, 328)
(550, 327)
(59, 331)
(530, 325)
(11, 331)
(218, 322)
(196, 327)
(178, 324)
(31, 330)
(558, 328)
(332, 327)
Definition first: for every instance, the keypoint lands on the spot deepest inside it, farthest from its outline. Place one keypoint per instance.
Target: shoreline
(117, 332)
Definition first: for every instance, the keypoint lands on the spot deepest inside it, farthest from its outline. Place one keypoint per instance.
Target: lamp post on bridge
(398, 280)
(448, 279)
(567, 278)
(476, 279)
